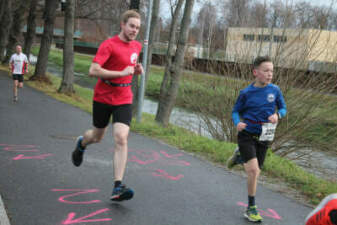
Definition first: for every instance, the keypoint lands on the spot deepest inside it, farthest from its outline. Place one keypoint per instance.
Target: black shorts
(102, 114)
(250, 147)
(18, 77)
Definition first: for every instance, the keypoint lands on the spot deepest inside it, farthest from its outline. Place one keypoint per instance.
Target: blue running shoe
(77, 156)
(121, 193)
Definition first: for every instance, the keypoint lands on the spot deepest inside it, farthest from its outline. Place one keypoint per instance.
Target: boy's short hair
(129, 14)
(259, 60)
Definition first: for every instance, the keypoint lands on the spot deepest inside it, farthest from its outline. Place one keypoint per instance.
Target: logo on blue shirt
(271, 97)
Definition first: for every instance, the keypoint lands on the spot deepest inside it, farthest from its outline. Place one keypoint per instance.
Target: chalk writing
(163, 173)
(18, 148)
(84, 219)
(78, 192)
(21, 156)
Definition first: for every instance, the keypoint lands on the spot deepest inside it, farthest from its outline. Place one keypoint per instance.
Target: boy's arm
(236, 118)
(281, 106)
(235, 112)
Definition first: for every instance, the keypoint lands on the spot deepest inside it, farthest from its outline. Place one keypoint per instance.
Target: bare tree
(206, 21)
(170, 84)
(5, 24)
(46, 41)
(68, 50)
(258, 15)
(15, 32)
(237, 12)
(2, 7)
(134, 4)
(31, 27)
(153, 30)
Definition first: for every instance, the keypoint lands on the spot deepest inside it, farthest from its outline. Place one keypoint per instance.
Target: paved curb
(3, 215)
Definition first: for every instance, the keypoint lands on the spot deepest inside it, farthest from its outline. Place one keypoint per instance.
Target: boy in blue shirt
(255, 117)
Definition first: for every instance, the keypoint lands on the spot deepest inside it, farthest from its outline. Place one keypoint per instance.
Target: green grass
(312, 187)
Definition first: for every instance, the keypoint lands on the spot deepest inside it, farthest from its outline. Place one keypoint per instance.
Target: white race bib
(268, 132)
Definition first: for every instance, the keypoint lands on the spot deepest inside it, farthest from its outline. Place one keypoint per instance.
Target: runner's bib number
(268, 132)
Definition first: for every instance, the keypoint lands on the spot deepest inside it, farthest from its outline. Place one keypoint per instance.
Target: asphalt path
(40, 186)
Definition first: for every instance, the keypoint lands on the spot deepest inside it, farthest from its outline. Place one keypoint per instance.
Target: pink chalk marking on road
(182, 162)
(135, 159)
(271, 213)
(171, 156)
(154, 156)
(21, 156)
(19, 148)
(163, 173)
(84, 219)
(78, 192)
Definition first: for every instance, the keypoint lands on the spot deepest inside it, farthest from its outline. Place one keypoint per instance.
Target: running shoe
(15, 99)
(77, 155)
(121, 193)
(235, 159)
(252, 214)
(324, 213)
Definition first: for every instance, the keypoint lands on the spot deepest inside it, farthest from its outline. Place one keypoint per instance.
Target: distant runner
(18, 65)
(259, 106)
(114, 65)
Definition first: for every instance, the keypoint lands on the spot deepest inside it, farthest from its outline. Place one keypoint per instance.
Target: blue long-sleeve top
(255, 104)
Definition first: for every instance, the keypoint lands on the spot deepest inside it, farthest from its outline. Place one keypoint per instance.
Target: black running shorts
(18, 77)
(250, 147)
(102, 114)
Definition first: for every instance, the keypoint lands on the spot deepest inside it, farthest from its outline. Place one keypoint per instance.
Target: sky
(165, 13)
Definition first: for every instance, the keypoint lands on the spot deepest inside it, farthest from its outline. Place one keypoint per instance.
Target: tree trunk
(169, 54)
(46, 41)
(169, 89)
(31, 27)
(15, 33)
(153, 31)
(2, 7)
(68, 50)
(134, 4)
(5, 24)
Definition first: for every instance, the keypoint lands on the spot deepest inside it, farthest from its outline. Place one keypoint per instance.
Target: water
(322, 164)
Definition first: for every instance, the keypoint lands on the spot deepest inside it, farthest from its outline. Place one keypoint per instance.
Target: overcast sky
(165, 13)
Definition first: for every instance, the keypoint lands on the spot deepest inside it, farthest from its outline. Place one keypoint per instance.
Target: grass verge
(312, 187)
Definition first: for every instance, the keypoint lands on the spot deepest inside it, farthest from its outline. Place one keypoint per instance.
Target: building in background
(291, 48)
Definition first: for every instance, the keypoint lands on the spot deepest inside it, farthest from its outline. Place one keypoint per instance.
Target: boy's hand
(241, 126)
(138, 69)
(273, 118)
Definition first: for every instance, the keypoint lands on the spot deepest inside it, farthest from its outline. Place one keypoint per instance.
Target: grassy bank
(275, 167)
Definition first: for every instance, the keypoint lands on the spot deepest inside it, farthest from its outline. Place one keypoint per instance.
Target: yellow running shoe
(252, 214)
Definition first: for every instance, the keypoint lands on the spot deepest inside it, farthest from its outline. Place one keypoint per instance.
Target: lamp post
(141, 90)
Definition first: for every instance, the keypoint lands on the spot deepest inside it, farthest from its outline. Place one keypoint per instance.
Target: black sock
(251, 201)
(118, 183)
(333, 216)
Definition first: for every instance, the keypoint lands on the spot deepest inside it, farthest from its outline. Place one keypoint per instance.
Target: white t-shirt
(19, 63)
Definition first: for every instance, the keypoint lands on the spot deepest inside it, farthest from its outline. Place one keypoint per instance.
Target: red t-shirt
(115, 54)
